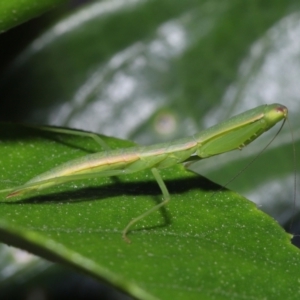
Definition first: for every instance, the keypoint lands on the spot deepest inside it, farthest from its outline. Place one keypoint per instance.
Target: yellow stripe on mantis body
(231, 134)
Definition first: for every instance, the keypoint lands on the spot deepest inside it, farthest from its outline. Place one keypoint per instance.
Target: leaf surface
(206, 243)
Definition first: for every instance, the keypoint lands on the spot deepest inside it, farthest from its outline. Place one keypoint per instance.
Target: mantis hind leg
(91, 135)
(166, 199)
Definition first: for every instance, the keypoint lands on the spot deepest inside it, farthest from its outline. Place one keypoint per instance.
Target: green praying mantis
(231, 134)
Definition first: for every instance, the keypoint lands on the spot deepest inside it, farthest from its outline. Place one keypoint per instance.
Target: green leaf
(206, 243)
(156, 70)
(186, 66)
(15, 12)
